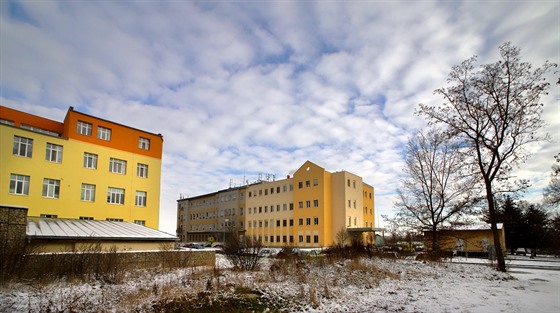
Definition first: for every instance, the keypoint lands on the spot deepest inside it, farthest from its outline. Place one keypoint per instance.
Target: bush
(243, 253)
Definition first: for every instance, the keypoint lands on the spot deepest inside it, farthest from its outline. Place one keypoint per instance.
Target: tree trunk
(492, 212)
(435, 246)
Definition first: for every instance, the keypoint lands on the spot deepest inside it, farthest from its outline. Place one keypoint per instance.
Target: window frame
(87, 192)
(21, 142)
(53, 153)
(117, 164)
(103, 133)
(19, 182)
(115, 195)
(84, 128)
(51, 188)
(90, 160)
(140, 200)
(142, 170)
(144, 143)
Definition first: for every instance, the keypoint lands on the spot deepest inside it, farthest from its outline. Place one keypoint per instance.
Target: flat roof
(60, 228)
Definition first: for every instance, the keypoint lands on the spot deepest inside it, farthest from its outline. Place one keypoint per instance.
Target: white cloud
(242, 88)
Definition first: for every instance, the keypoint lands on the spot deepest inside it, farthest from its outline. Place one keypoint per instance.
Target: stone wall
(64, 263)
(13, 224)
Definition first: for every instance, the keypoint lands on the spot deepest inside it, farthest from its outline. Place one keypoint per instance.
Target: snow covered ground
(366, 285)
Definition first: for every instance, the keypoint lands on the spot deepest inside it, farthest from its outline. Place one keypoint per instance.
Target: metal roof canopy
(64, 229)
(367, 229)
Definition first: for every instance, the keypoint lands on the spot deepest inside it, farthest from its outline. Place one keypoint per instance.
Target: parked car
(519, 251)
(422, 256)
(193, 245)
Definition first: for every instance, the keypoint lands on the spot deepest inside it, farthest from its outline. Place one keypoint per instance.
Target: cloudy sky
(242, 87)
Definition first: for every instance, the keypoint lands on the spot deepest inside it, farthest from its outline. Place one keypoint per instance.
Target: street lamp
(224, 233)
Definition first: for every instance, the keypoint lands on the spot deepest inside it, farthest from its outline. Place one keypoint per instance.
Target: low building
(474, 239)
(71, 235)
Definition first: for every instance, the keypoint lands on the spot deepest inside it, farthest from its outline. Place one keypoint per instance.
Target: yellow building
(82, 168)
(306, 210)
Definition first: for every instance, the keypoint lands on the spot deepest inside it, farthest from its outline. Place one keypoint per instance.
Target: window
(144, 143)
(114, 219)
(315, 182)
(84, 128)
(354, 184)
(308, 221)
(278, 189)
(103, 133)
(291, 222)
(291, 187)
(278, 208)
(292, 239)
(307, 184)
(54, 153)
(88, 192)
(315, 221)
(277, 238)
(300, 238)
(23, 146)
(349, 204)
(316, 203)
(316, 239)
(142, 170)
(284, 239)
(19, 184)
(51, 188)
(86, 218)
(349, 183)
(284, 207)
(140, 222)
(48, 215)
(291, 206)
(308, 239)
(300, 185)
(90, 160)
(300, 222)
(284, 188)
(115, 195)
(277, 223)
(284, 223)
(307, 204)
(300, 204)
(117, 166)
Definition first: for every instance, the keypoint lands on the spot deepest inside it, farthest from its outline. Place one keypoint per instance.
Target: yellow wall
(473, 240)
(43, 246)
(270, 197)
(72, 174)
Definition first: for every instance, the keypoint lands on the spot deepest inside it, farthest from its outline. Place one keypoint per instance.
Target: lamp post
(224, 236)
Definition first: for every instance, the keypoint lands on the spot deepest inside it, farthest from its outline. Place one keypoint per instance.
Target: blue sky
(243, 87)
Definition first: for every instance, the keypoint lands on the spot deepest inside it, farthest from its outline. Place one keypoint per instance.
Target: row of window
(283, 222)
(19, 185)
(283, 239)
(271, 190)
(285, 206)
(89, 218)
(213, 215)
(24, 147)
(308, 183)
(104, 133)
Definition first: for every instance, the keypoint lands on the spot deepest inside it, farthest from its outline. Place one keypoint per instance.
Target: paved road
(517, 261)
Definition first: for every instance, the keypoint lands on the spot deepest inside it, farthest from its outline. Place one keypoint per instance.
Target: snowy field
(365, 285)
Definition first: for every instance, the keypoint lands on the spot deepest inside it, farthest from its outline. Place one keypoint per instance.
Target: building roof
(471, 227)
(59, 228)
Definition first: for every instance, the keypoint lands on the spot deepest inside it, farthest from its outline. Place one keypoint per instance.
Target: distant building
(82, 168)
(306, 210)
(474, 239)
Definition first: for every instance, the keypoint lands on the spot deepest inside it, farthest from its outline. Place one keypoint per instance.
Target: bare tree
(552, 191)
(436, 189)
(496, 111)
